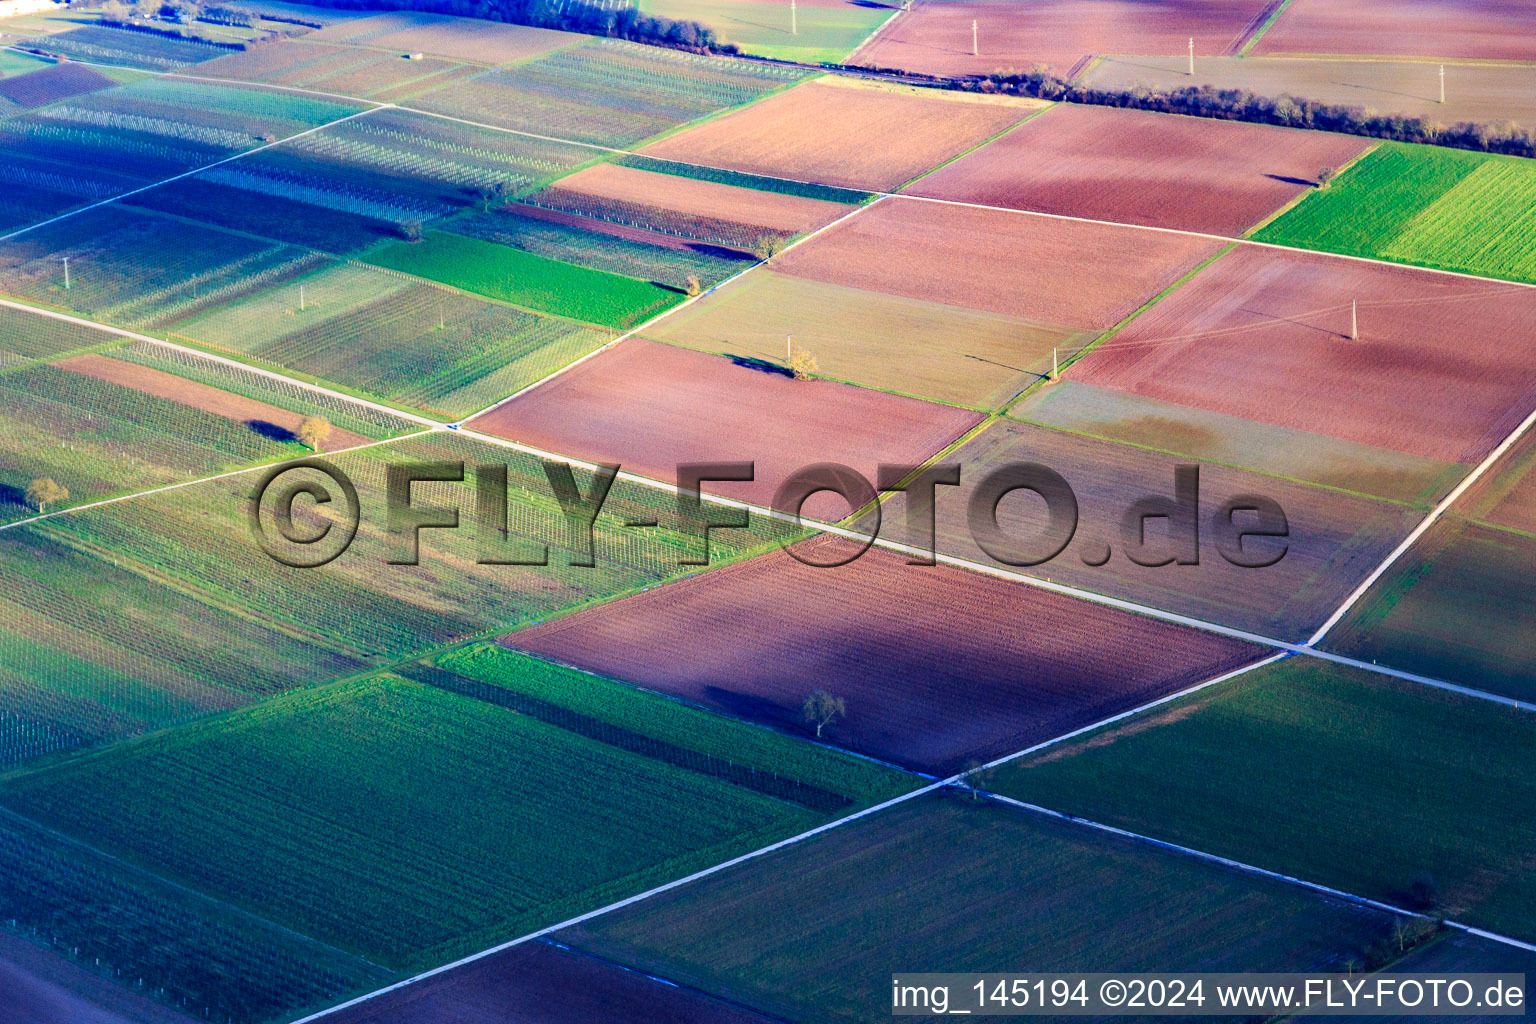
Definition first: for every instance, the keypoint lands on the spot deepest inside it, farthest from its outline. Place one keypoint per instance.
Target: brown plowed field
(199, 396)
(839, 132)
(1441, 368)
(1488, 29)
(1138, 167)
(936, 37)
(488, 42)
(937, 665)
(792, 214)
(1335, 539)
(539, 983)
(1058, 271)
(650, 406)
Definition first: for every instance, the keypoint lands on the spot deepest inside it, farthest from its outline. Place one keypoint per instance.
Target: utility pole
(975, 50)
(66, 273)
(789, 349)
(1354, 320)
(1055, 367)
(301, 298)
(1442, 83)
(794, 25)
(1191, 56)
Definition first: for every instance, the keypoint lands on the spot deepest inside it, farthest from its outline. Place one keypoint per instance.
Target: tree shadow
(271, 431)
(762, 365)
(13, 495)
(749, 706)
(1290, 180)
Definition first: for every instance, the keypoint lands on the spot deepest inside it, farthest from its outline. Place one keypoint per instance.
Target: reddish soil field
(1137, 167)
(936, 37)
(650, 406)
(937, 665)
(1488, 29)
(52, 84)
(540, 983)
(839, 132)
(1440, 369)
(1062, 272)
(199, 396)
(792, 214)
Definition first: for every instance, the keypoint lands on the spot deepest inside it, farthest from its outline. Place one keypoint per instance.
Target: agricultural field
(1423, 205)
(1138, 167)
(1265, 335)
(1331, 774)
(1416, 28)
(758, 413)
(139, 615)
(525, 279)
(927, 350)
(1334, 538)
(1214, 437)
(343, 70)
(815, 931)
(707, 211)
(14, 62)
(49, 85)
(314, 778)
(1473, 91)
(932, 675)
(1084, 276)
(483, 42)
(830, 130)
(544, 981)
(607, 92)
(936, 37)
(823, 31)
(129, 48)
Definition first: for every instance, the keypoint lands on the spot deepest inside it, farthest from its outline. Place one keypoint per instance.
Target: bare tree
(410, 230)
(802, 364)
(821, 708)
(313, 432)
(976, 778)
(45, 489)
(767, 246)
(1324, 176)
(692, 286)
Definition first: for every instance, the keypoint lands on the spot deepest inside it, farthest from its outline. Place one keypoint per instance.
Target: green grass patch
(399, 821)
(524, 279)
(674, 722)
(1444, 208)
(823, 34)
(1334, 775)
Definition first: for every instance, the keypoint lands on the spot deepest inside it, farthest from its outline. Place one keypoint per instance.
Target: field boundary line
(187, 174)
(770, 848)
(849, 59)
(226, 361)
(1418, 531)
(203, 480)
(1413, 677)
(1252, 869)
(456, 424)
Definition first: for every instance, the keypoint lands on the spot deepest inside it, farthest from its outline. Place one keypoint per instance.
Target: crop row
(317, 191)
(743, 179)
(122, 46)
(716, 230)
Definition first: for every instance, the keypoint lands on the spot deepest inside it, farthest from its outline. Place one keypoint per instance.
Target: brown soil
(1489, 29)
(792, 214)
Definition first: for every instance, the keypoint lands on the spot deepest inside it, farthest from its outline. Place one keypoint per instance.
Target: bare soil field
(1246, 444)
(839, 132)
(1484, 29)
(650, 406)
(345, 70)
(937, 665)
(487, 42)
(774, 210)
(927, 349)
(1056, 271)
(1506, 496)
(1139, 167)
(259, 415)
(936, 37)
(1438, 370)
(546, 983)
(40, 986)
(1473, 92)
(1334, 539)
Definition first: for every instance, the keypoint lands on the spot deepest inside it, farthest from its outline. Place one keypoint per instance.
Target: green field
(1334, 775)
(387, 335)
(150, 612)
(1444, 208)
(671, 721)
(814, 932)
(398, 821)
(824, 34)
(521, 278)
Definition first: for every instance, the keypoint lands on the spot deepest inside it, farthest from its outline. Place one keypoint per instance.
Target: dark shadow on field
(749, 706)
(722, 252)
(271, 431)
(1288, 320)
(1385, 92)
(12, 495)
(870, 3)
(762, 365)
(1287, 179)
